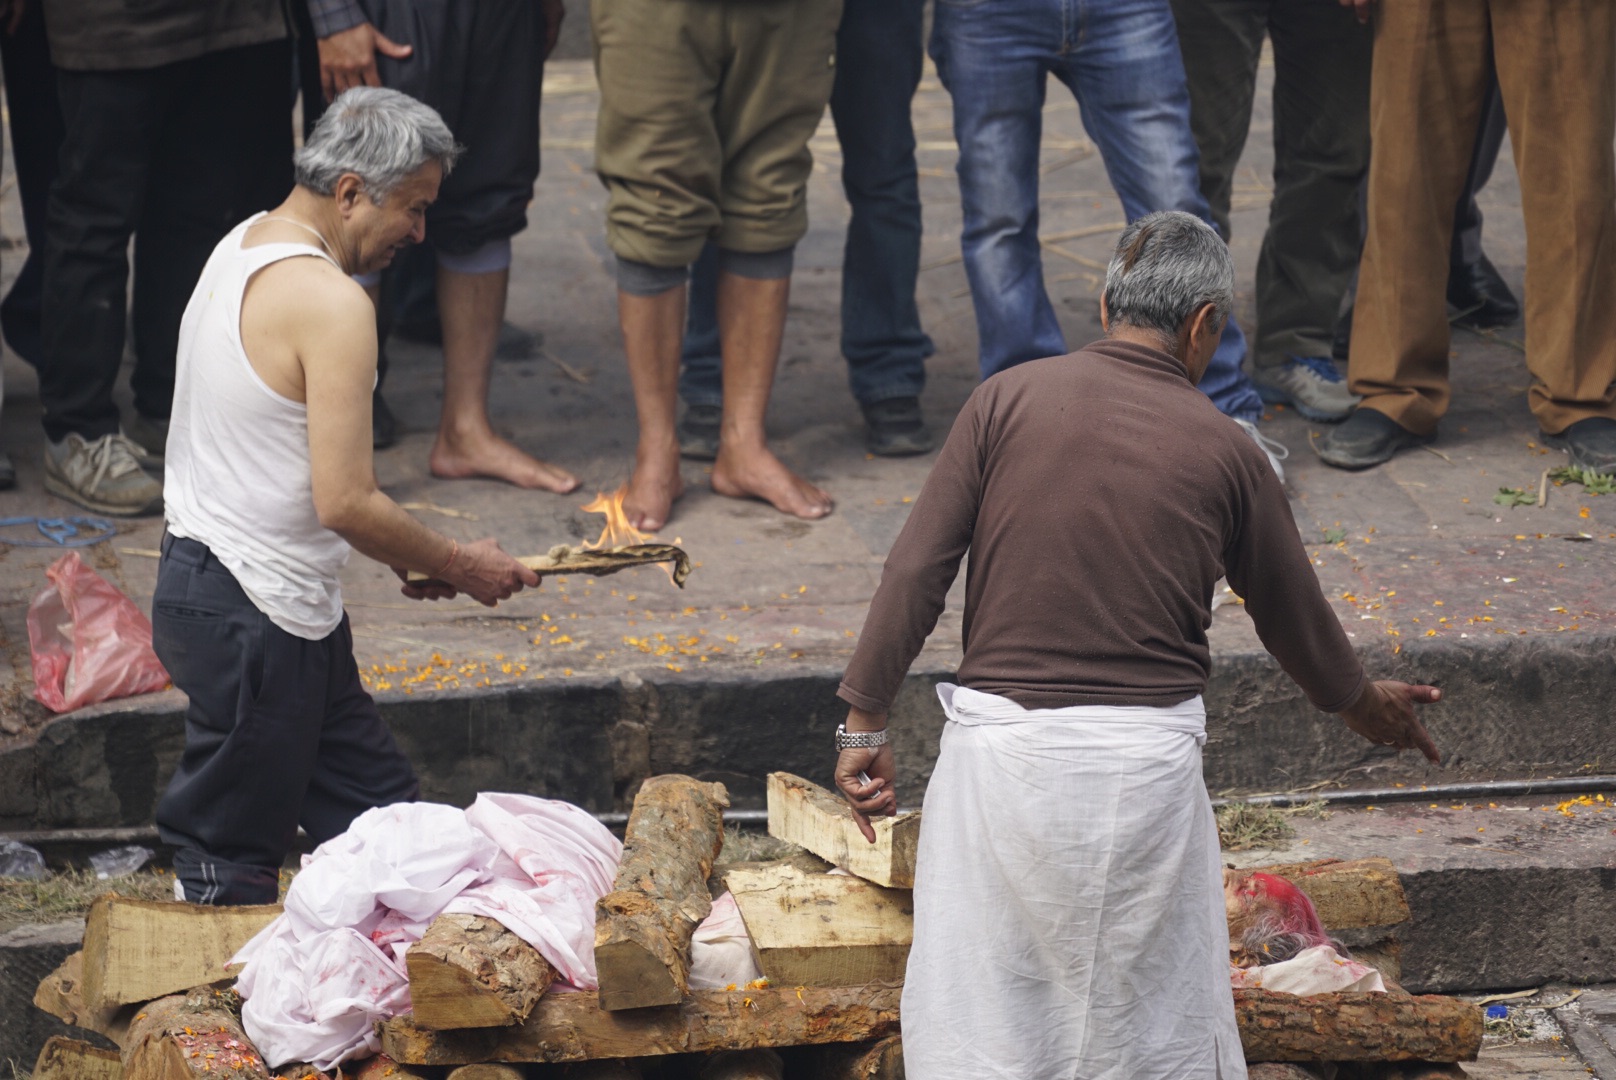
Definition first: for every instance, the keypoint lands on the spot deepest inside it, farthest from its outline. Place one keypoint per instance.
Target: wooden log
(566, 559)
(1356, 1027)
(382, 1067)
(486, 1071)
(1407, 1070)
(141, 950)
(573, 1027)
(61, 994)
(191, 1036)
(469, 971)
(69, 1059)
(1353, 895)
(882, 1060)
(643, 927)
(824, 929)
(757, 1064)
(807, 815)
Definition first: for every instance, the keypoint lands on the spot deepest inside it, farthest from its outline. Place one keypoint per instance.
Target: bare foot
(757, 473)
(456, 457)
(656, 483)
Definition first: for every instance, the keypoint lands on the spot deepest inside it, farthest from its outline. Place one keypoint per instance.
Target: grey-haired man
(1100, 497)
(269, 485)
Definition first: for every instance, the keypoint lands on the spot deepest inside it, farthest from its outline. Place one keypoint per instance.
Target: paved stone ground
(1412, 552)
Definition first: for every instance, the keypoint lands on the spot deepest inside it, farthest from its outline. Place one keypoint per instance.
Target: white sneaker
(104, 475)
(1275, 450)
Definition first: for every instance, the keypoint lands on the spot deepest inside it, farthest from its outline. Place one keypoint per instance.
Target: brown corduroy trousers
(1556, 64)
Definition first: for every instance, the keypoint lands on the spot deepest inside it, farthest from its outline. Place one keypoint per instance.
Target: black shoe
(1479, 296)
(698, 432)
(383, 424)
(1366, 438)
(514, 342)
(8, 472)
(897, 428)
(1591, 444)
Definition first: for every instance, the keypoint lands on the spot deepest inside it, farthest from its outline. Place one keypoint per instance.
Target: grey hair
(379, 135)
(1166, 266)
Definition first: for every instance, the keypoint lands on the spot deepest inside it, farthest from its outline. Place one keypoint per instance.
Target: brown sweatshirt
(1101, 496)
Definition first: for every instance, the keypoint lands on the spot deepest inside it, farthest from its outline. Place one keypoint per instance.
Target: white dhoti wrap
(1069, 917)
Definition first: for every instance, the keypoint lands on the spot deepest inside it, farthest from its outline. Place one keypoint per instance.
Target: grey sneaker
(1276, 450)
(150, 437)
(1590, 442)
(104, 476)
(1309, 384)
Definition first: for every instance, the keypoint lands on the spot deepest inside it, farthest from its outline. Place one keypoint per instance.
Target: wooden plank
(573, 1027)
(643, 926)
(140, 950)
(824, 929)
(805, 814)
(192, 1036)
(1356, 1027)
(69, 1059)
(1349, 895)
(469, 971)
(61, 994)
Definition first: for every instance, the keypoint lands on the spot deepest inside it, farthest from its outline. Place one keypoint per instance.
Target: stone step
(1514, 708)
(1508, 895)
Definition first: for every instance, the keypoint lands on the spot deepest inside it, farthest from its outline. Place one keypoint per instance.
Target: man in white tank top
(269, 484)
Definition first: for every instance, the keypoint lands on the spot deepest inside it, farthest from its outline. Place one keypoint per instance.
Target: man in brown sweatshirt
(1069, 861)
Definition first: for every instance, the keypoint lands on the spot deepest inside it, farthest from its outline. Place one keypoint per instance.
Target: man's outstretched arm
(919, 570)
(1270, 568)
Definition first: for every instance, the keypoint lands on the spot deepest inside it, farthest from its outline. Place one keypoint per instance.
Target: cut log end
(69, 1059)
(469, 971)
(193, 1036)
(639, 978)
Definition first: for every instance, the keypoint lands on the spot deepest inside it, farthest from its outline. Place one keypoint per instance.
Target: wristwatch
(864, 740)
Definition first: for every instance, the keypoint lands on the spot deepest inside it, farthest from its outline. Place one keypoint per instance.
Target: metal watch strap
(864, 740)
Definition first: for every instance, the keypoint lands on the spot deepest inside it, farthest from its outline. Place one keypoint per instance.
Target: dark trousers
(879, 54)
(1467, 215)
(279, 733)
(35, 114)
(1322, 63)
(176, 156)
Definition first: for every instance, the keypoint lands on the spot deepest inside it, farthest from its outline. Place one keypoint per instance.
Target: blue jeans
(1120, 59)
(878, 65)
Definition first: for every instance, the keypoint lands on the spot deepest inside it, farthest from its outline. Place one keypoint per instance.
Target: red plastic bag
(89, 641)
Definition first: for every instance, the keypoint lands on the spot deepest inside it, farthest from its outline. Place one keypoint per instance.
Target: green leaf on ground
(1596, 483)
(1334, 536)
(1515, 497)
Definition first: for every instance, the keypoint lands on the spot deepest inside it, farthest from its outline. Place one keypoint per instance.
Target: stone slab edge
(1521, 707)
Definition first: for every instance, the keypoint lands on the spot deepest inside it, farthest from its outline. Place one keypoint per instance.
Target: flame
(618, 532)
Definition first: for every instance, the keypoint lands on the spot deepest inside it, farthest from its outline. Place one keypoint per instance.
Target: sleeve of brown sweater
(1268, 566)
(920, 568)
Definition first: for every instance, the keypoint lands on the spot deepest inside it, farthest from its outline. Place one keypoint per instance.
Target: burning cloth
(1068, 874)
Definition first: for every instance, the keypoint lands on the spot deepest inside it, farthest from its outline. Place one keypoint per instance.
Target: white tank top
(237, 476)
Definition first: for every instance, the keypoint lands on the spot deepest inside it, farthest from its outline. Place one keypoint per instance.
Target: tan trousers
(706, 109)
(1556, 62)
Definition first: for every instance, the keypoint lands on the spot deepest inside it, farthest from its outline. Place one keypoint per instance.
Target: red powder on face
(1296, 912)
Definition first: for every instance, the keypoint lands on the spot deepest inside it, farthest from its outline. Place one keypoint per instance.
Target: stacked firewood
(832, 947)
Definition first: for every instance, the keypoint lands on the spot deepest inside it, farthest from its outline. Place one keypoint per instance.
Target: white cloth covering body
(1318, 970)
(1069, 914)
(319, 977)
(238, 477)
